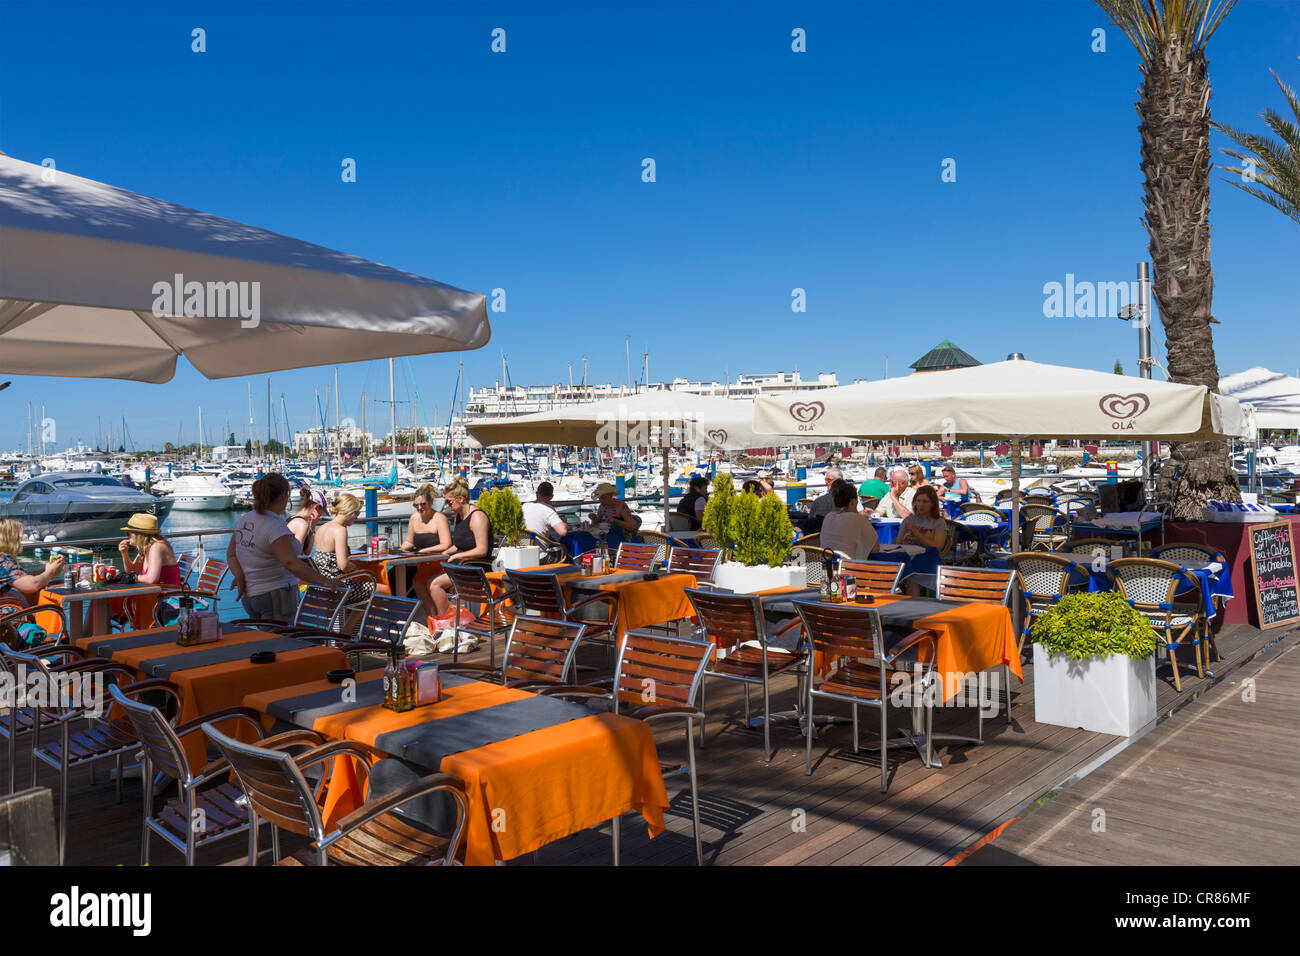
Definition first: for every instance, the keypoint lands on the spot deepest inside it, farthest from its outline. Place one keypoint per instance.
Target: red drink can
(586, 565)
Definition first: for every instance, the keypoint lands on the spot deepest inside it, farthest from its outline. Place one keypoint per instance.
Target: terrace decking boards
(1213, 786)
(749, 809)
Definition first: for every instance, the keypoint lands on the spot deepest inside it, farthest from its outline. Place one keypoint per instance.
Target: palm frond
(1151, 25)
(1277, 179)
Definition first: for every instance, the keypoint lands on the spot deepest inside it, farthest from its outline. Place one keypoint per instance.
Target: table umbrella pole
(1015, 531)
(666, 529)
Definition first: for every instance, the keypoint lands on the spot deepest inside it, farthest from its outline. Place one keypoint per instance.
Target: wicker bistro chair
(659, 540)
(1044, 526)
(208, 807)
(1071, 503)
(539, 653)
(680, 522)
(1043, 579)
(875, 577)
(636, 557)
(1088, 550)
(978, 586)
(1003, 495)
(813, 540)
(550, 551)
(864, 672)
(813, 561)
(675, 668)
(869, 501)
(373, 835)
(470, 585)
(982, 514)
(734, 623)
(706, 541)
(1150, 586)
(538, 593)
(1195, 552)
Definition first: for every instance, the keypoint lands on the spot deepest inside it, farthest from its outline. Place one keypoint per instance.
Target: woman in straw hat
(154, 561)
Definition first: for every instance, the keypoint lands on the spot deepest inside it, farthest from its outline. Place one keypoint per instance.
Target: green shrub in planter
(717, 511)
(503, 509)
(1090, 625)
(761, 530)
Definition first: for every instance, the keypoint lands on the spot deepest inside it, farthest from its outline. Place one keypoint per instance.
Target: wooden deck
(757, 813)
(1215, 785)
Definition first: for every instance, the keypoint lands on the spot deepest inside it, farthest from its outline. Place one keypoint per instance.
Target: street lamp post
(1141, 311)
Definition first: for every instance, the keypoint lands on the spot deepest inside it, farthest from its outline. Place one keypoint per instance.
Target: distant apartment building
(502, 400)
(314, 440)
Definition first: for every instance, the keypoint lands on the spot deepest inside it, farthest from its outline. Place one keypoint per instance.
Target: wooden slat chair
(812, 559)
(673, 670)
(539, 653)
(207, 807)
(701, 562)
(1181, 553)
(635, 557)
(864, 672)
(319, 609)
(373, 835)
(1042, 579)
(979, 586)
(473, 593)
(1150, 587)
(185, 564)
(734, 624)
(875, 577)
(211, 575)
(18, 721)
(538, 593)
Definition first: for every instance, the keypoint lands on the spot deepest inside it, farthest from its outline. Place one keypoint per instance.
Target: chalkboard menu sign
(1277, 595)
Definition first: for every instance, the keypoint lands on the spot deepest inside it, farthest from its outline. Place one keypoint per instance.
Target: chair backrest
(164, 749)
(211, 575)
(536, 591)
(661, 543)
(469, 582)
(679, 522)
(1146, 582)
(635, 557)
(706, 541)
(1072, 505)
(320, 608)
(1003, 495)
(980, 585)
(803, 505)
(843, 630)
(728, 620)
(540, 648)
(875, 577)
(1038, 493)
(952, 532)
(812, 560)
(700, 562)
(185, 564)
(654, 669)
(387, 617)
(13, 611)
(1029, 512)
(276, 789)
(811, 540)
(975, 508)
(1041, 575)
(1179, 553)
(550, 550)
(1088, 548)
(869, 501)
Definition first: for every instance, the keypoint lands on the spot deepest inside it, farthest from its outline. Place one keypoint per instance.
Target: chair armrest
(61, 650)
(391, 801)
(308, 633)
(907, 643)
(333, 749)
(575, 690)
(225, 713)
(610, 599)
(657, 711)
(789, 625)
(27, 611)
(290, 738)
(354, 646)
(261, 623)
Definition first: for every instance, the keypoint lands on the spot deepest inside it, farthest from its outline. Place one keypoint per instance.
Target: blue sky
(775, 170)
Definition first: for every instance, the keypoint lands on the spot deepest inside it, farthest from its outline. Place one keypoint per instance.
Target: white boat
(200, 492)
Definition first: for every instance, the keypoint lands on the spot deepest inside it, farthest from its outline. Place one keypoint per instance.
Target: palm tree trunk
(1174, 108)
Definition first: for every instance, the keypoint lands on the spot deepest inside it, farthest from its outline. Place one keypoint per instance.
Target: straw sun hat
(142, 523)
(604, 488)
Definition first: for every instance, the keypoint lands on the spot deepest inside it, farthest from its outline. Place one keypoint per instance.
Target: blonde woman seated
(13, 575)
(471, 540)
(331, 554)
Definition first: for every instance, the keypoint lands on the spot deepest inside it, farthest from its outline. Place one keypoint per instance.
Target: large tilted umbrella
(86, 268)
(653, 419)
(1013, 399)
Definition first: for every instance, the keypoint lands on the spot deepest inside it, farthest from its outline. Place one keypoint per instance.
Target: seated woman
(332, 555)
(694, 501)
(471, 540)
(312, 507)
(613, 510)
(844, 529)
(154, 563)
(752, 487)
(427, 532)
(13, 575)
(926, 527)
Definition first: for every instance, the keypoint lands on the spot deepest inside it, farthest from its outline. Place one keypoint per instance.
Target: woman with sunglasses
(427, 532)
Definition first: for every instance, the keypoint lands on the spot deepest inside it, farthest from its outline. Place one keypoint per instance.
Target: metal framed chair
(875, 577)
(470, 585)
(701, 562)
(538, 593)
(319, 609)
(734, 624)
(1150, 587)
(863, 671)
(539, 653)
(675, 668)
(373, 835)
(207, 807)
(635, 557)
(813, 560)
(550, 551)
(387, 617)
(25, 721)
(979, 586)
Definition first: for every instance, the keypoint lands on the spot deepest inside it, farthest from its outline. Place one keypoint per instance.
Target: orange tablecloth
(217, 686)
(420, 573)
(640, 603)
(536, 788)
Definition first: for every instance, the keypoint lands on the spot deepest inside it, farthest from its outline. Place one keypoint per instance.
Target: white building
(228, 452)
(314, 441)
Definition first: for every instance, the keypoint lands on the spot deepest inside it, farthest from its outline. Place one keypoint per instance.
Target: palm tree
(1275, 163)
(1170, 37)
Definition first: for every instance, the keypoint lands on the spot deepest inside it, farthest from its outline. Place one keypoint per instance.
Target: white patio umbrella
(1275, 396)
(99, 282)
(1013, 399)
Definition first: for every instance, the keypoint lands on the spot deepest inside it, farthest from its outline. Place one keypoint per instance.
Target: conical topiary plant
(717, 512)
(506, 514)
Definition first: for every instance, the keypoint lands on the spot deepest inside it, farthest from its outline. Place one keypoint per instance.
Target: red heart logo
(1125, 406)
(807, 411)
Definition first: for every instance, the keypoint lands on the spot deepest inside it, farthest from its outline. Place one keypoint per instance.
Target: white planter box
(736, 577)
(1111, 695)
(512, 559)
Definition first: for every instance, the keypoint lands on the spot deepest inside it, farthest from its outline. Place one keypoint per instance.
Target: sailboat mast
(338, 433)
(392, 409)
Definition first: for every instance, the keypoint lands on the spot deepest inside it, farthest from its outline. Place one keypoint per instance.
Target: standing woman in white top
(844, 529)
(263, 555)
